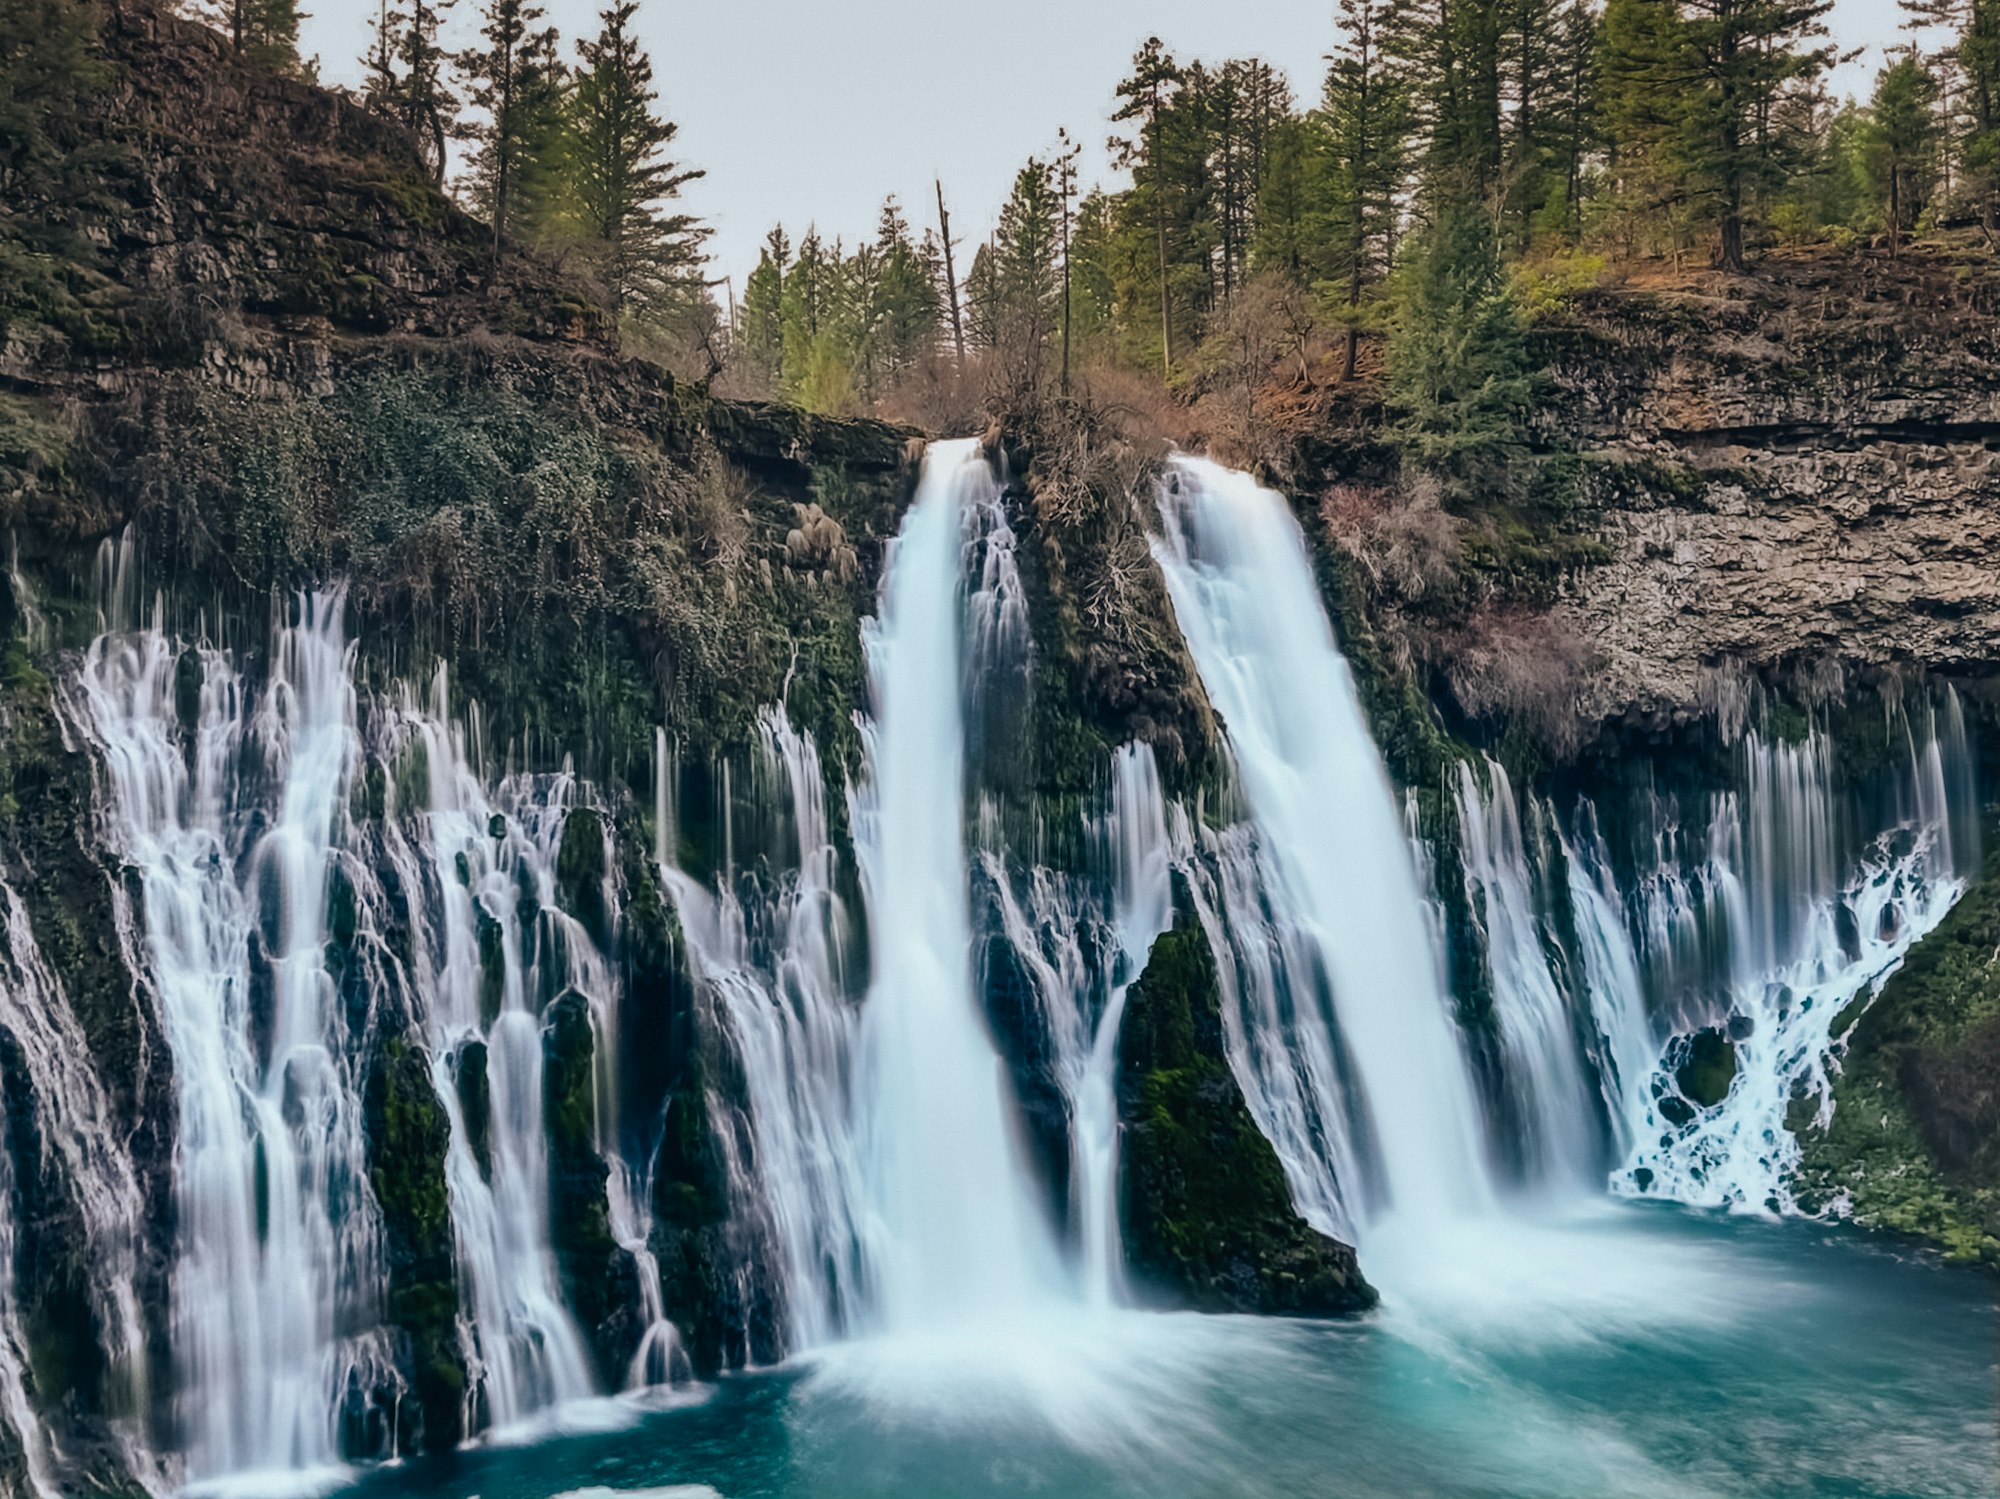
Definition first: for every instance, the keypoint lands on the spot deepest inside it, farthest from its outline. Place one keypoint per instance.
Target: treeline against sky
(1454, 149)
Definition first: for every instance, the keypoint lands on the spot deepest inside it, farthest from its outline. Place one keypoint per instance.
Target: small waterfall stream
(483, 935)
(279, 1237)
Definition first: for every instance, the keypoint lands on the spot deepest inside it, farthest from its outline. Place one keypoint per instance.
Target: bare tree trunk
(950, 276)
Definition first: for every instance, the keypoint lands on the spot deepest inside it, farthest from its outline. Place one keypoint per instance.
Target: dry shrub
(1249, 371)
(1524, 665)
(1406, 543)
(938, 394)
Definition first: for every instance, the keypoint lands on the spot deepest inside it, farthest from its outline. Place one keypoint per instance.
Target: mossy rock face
(409, 1135)
(1914, 1143)
(580, 871)
(597, 1282)
(475, 1104)
(1707, 1068)
(1208, 1216)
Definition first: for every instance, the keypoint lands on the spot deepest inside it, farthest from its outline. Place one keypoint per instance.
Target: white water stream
(955, 1232)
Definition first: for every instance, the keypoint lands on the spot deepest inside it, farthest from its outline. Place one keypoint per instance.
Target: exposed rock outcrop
(1796, 471)
(1207, 1215)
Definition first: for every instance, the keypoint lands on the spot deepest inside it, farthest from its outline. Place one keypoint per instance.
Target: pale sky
(811, 111)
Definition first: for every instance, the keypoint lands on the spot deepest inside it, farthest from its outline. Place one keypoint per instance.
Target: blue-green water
(1639, 1351)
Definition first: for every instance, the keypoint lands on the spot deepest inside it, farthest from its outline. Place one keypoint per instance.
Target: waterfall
(279, 1239)
(1142, 908)
(1549, 1101)
(1630, 1046)
(955, 1231)
(491, 949)
(1336, 870)
(73, 1120)
(781, 995)
(1810, 927)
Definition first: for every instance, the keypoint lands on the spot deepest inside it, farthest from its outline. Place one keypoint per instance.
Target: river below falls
(1629, 1351)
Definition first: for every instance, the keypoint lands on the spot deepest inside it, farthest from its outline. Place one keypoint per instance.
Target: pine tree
(1149, 95)
(1367, 114)
(650, 258)
(1974, 56)
(517, 81)
(1290, 231)
(908, 315)
(1739, 56)
(1643, 72)
(1901, 142)
(406, 78)
(1460, 374)
(267, 30)
(760, 334)
(1451, 53)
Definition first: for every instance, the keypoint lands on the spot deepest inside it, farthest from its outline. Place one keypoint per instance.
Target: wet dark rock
(409, 1136)
(1707, 1065)
(1207, 1214)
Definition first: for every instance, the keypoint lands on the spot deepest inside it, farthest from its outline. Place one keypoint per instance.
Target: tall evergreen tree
(1974, 57)
(1738, 56)
(1149, 95)
(1901, 142)
(650, 257)
(1460, 375)
(1366, 107)
(406, 76)
(908, 315)
(760, 333)
(267, 30)
(517, 82)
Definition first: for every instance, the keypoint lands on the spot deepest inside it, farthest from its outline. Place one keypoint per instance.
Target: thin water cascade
(1811, 932)
(1142, 909)
(1629, 1042)
(15, 1408)
(487, 873)
(781, 992)
(954, 1231)
(280, 1243)
(1560, 1141)
(1338, 866)
(74, 1122)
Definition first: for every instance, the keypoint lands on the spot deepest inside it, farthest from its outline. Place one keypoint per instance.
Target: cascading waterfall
(1810, 930)
(481, 934)
(15, 1408)
(1630, 1046)
(1142, 909)
(1337, 866)
(781, 992)
(73, 1120)
(280, 1243)
(1081, 943)
(955, 1232)
(1560, 1140)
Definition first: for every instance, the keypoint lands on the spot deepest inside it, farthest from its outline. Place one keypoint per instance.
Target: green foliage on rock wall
(1207, 1215)
(1914, 1145)
(409, 1136)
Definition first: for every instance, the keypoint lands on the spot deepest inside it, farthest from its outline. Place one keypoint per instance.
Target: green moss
(579, 1204)
(1707, 1069)
(409, 1135)
(1914, 1142)
(580, 872)
(1207, 1215)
